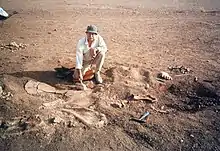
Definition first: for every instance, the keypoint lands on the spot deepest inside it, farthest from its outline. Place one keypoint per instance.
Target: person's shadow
(60, 75)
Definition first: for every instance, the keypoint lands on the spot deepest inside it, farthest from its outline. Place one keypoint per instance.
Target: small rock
(3, 97)
(55, 120)
(92, 107)
(196, 79)
(181, 140)
(116, 105)
(147, 86)
(8, 94)
(4, 125)
(23, 124)
(191, 135)
(71, 124)
(49, 33)
(22, 45)
(1, 90)
(14, 44)
(58, 120)
(7, 99)
(188, 70)
(113, 40)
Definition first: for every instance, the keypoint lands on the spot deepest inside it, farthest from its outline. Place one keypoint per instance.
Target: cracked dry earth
(147, 40)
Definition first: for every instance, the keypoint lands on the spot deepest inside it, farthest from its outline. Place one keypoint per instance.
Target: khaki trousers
(88, 62)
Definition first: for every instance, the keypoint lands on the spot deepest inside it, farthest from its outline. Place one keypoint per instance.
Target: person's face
(90, 36)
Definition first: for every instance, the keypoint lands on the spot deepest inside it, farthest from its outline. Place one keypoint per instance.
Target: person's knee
(101, 54)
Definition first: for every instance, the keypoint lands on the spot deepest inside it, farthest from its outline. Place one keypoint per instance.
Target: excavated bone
(165, 75)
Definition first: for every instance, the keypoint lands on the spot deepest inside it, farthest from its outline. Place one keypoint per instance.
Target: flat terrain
(180, 37)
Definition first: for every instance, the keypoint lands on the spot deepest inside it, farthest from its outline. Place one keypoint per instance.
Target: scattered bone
(144, 98)
(61, 91)
(31, 87)
(74, 93)
(13, 46)
(88, 117)
(180, 75)
(165, 76)
(180, 69)
(35, 87)
(46, 88)
(161, 111)
(53, 104)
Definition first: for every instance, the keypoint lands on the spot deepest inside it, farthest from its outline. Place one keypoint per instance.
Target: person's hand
(80, 75)
(93, 52)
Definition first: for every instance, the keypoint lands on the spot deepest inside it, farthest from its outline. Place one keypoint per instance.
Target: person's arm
(79, 56)
(102, 45)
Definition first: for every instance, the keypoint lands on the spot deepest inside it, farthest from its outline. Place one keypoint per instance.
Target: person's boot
(98, 78)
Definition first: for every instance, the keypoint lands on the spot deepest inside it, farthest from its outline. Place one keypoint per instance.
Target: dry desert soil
(41, 112)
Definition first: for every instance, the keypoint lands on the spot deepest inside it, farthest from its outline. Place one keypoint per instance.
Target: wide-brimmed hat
(92, 29)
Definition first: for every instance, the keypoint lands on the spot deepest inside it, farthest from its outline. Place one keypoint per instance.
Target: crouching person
(91, 49)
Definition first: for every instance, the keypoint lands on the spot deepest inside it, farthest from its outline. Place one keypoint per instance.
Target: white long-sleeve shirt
(83, 48)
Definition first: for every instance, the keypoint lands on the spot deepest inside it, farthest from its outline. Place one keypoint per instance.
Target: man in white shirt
(90, 50)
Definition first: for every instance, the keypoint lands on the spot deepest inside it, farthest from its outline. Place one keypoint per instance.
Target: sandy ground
(143, 38)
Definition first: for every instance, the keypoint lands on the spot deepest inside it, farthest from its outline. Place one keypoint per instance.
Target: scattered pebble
(116, 105)
(180, 69)
(5, 95)
(1, 90)
(13, 46)
(58, 120)
(55, 120)
(196, 79)
(113, 40)
(147, 86)
(71, 124)
(191, 135)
